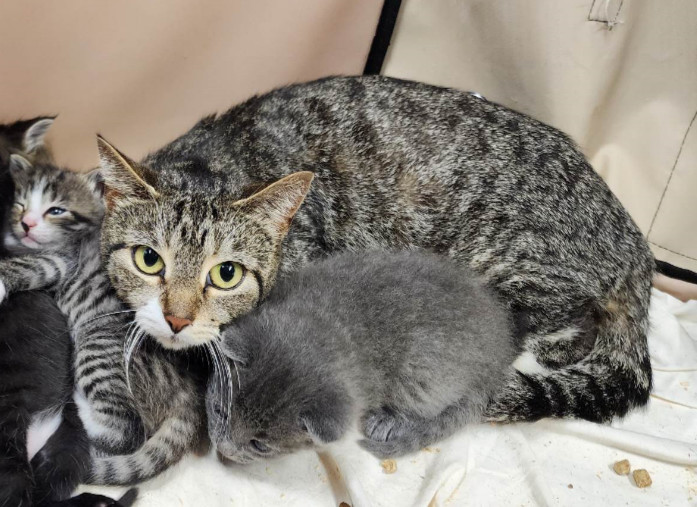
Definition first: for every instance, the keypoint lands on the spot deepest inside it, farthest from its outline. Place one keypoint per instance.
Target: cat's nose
(176, 324)
(28, 222)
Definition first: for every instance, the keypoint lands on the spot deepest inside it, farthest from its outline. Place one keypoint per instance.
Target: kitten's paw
(391, 449)
(110, 433)
(3, 291)
(384, 424)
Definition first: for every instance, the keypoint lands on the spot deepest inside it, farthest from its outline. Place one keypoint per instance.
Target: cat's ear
(279, 202)
(34, 135)
(326, 420)
(18, 164)
(95, 180)
(123, 178)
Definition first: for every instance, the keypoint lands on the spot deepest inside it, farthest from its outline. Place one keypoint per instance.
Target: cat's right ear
(34, 135)
(123, 178)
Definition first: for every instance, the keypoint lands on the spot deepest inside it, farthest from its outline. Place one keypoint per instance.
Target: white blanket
(546, 463)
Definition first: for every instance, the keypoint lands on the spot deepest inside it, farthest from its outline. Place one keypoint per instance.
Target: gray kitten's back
(408, 330)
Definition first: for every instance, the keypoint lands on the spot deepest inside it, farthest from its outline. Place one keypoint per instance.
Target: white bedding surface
(546, 463)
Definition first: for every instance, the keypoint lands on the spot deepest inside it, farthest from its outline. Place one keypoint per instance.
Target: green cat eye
(147, 260)
(226, 275)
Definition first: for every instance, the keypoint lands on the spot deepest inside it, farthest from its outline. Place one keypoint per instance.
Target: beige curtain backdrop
(619, 76)
(142, 72)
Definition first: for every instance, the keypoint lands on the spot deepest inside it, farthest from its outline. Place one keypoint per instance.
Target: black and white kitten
(407, 346)
(42, 443)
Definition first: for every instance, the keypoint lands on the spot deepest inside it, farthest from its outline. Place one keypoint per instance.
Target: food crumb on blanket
(389, 466)
(642, 478)
(622, 467)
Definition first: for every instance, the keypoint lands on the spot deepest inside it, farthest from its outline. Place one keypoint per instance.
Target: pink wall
(142, 72)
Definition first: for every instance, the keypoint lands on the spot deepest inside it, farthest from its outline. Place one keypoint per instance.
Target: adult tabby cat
(57, 217)
(395, 164)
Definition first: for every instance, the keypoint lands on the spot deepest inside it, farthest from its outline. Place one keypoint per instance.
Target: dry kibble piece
(642, 478)
(389, 466)
(344, 504)
(622, 467)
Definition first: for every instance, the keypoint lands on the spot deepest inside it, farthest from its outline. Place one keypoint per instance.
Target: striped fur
(399, 164)
(68, 263)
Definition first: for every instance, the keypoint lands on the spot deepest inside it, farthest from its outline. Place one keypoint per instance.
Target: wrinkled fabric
(619, 76)
(550, 462)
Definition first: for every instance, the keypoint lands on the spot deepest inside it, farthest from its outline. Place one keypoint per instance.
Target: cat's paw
(384, 424)
(391, 449)
(3, 292)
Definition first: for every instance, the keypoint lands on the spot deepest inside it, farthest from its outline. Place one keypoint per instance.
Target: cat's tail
(611, 380)
(175, 437)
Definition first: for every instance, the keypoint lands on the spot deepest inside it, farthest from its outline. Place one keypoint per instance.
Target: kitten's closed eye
(258, 446)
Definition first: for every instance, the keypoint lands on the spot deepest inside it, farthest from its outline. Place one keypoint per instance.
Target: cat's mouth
(150, 319)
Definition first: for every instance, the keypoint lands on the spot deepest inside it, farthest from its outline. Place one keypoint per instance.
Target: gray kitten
(410, 344)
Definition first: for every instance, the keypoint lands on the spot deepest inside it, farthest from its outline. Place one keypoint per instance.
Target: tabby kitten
(396, 164)
(41, 439)
(408, 346)
(57, 217)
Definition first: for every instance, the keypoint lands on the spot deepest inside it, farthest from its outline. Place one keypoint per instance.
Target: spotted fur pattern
(400, 164)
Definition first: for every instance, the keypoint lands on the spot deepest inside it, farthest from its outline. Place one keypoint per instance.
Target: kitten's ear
(18, 164)
(279, 202)
(123, 178)
(34, 135)
(235, 346)
(327, 419)
(95, 180)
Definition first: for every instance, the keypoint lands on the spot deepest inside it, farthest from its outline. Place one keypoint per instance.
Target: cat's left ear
(34, 135)
(279, 202)
(123, 178)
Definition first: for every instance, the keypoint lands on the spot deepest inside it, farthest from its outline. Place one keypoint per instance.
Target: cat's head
(53, 208)
(190, 261)
(286, 399)
(26, 138)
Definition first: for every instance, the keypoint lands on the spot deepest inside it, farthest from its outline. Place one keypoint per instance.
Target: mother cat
(190, 246)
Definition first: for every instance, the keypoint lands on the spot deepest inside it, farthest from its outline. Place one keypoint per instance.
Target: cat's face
(282, 404)
(190, 262)
(52, 207)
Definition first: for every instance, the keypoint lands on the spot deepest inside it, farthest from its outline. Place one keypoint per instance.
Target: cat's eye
(20, 205)
(226, 275)
(148, 260)
(259, 446)
(55, 211)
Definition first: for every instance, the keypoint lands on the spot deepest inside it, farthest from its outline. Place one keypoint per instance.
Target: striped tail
(614, 378)
(175, 437)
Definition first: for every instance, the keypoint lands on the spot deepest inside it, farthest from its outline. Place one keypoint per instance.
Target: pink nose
(28, 222)
(176, 324)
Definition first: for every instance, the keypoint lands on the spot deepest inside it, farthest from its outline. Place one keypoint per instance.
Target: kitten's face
(190, 262)
(52, 207)
(284, 402)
